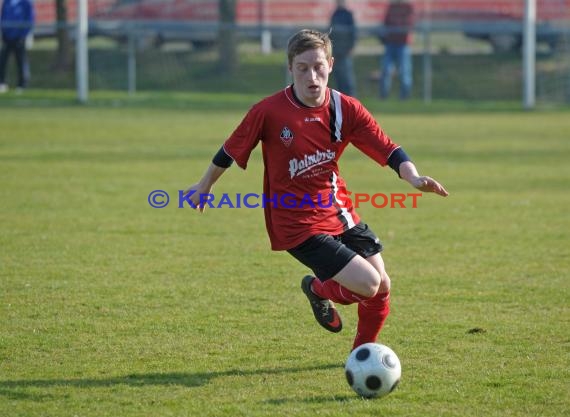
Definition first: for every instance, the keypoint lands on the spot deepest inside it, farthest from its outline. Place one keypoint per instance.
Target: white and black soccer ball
(373, 370)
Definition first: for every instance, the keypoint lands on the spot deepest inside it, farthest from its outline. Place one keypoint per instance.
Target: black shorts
(326, 255)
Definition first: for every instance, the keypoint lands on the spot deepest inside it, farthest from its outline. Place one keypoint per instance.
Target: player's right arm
(237, 148)
(221, 162)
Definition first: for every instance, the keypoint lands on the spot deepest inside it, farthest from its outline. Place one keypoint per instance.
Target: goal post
(529, 55)
(81, 52)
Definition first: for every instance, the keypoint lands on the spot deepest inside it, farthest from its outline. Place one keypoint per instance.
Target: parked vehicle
(498, 22)
(45, 14)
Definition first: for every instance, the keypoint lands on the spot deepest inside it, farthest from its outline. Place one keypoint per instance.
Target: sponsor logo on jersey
(308, 162)
(286, 136)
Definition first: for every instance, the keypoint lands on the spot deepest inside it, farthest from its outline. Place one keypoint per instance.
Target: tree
(62, 35)
(228, 61)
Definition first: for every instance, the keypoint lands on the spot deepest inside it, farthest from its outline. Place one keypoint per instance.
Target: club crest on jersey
(286, 136)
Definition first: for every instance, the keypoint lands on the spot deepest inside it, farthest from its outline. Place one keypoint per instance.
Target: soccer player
(303, 130)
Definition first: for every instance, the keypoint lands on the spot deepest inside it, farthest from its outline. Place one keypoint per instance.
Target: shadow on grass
(323, 399)
(13, 388)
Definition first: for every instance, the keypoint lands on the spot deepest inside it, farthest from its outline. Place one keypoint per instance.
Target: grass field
(468, 73)
(109, 307)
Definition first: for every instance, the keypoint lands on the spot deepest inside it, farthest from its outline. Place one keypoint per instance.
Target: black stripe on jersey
(339, 215)
(332, 118)
(335, 121)
(335, 108)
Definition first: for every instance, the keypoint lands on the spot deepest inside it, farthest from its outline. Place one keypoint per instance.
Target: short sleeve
(245, 137)
(368, 136)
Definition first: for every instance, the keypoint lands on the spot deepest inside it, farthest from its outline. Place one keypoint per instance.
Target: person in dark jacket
(343, 36)
(17, 21)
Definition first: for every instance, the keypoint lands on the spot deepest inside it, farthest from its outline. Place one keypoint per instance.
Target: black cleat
(323, 309)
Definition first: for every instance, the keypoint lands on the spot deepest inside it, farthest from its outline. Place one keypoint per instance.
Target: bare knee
(378, 284)
(360, 277)
(371, 284)
(365, 277)
(385, 284)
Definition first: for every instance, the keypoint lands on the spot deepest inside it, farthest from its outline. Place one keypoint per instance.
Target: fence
(464, 50)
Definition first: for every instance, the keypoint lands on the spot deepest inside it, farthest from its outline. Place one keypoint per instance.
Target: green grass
(456, 71)
(111, 308)
(455, 76)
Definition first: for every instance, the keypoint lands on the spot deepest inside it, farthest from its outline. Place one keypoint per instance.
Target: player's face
(310, 71)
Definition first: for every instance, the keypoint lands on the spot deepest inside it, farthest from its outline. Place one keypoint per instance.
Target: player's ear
(331, 63)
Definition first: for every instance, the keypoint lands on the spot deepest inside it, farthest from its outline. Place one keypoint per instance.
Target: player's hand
(196, 192)
(429, 185)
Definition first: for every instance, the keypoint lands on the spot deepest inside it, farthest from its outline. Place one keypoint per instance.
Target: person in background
(397, 39)
(17, 21)
(343, 37)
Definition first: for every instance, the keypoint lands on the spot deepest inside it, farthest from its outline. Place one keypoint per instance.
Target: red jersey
(399, 22)
(301, 147)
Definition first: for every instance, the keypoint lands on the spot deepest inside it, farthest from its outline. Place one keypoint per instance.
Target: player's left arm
(409, 172)
(369, 137)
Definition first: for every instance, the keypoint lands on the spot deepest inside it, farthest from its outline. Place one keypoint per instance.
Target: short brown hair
(307, 39)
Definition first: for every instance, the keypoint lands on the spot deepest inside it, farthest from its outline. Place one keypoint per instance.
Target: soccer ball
(373, 370)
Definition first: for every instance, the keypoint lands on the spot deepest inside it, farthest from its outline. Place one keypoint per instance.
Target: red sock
(372, 314)
(335, 292)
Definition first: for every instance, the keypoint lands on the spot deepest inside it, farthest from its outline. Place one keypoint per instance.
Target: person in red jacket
(397, 39)
(303, 130)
